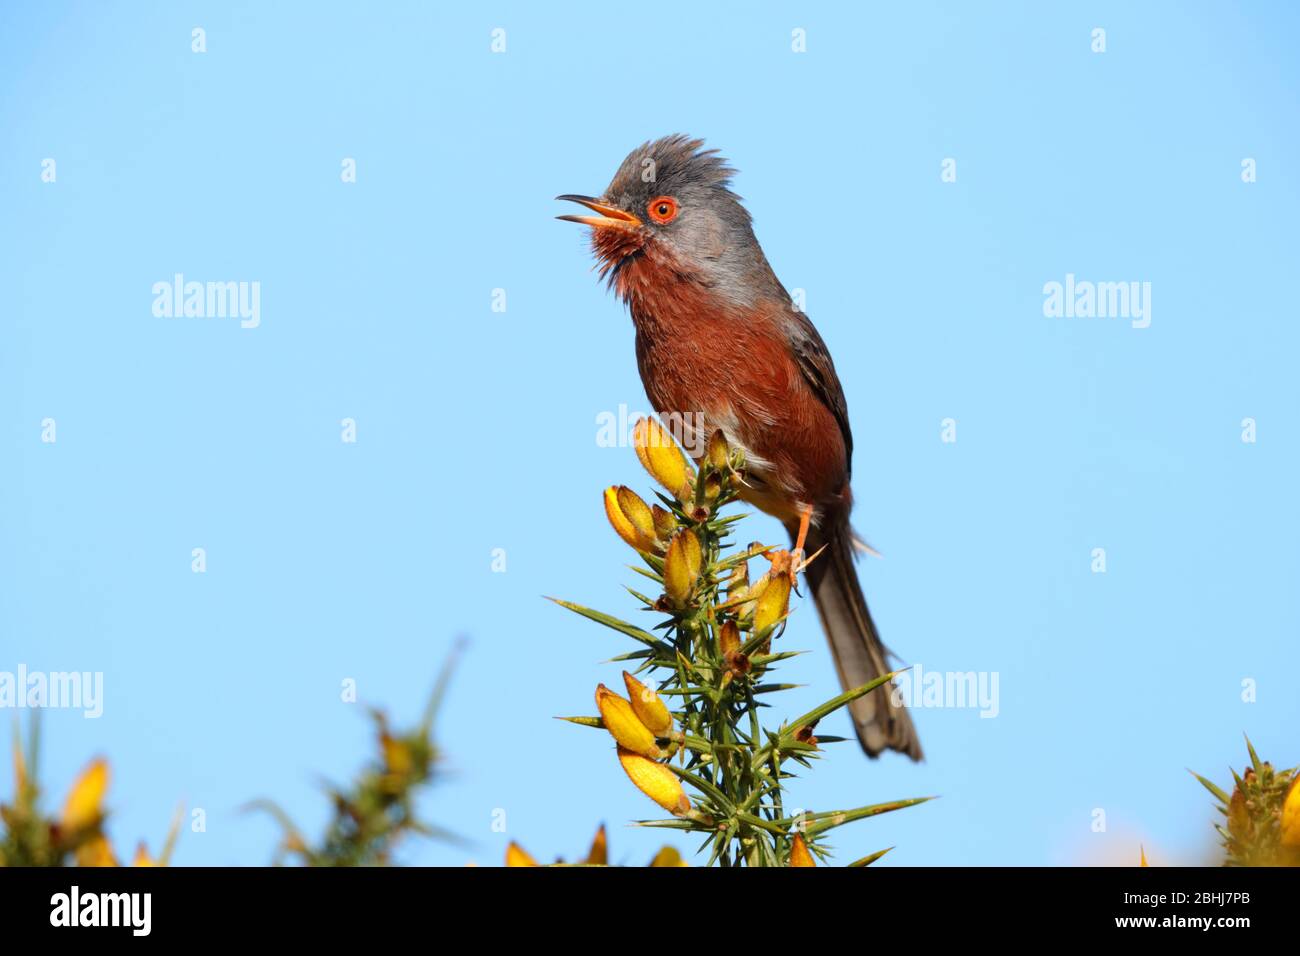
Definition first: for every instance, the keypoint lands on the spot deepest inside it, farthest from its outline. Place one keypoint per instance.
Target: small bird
(719, 341)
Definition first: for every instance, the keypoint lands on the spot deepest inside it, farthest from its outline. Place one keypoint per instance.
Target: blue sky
(476, 429)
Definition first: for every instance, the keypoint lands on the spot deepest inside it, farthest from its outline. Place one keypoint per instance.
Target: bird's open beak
(611, 217)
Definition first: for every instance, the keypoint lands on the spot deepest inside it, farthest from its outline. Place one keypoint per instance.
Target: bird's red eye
(663, 209)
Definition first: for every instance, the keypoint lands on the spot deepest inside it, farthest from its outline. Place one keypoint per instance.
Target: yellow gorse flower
(661, 457)
(631, 517)
(729, 646)
(649, 708)
(623, 724)
(773, 601)
(96, 852)
(718, 452)
(668, 856)
(84, 805)
(799, 855)
(729, 639)
(397, 755)
(656, 781)
(682, 566)
(518, 856)
(665, 522)
(598, 855)
(1291, 816)
(142, 857)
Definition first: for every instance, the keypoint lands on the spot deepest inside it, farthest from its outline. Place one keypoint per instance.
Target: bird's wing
(819, 371)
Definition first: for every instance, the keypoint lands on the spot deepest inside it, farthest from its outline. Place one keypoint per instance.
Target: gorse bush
(1261, 825)
(75, 836)
(377, 813)
(371, 819)
(695, 742)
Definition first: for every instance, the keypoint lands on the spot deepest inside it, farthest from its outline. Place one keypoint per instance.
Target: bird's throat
(666, 297)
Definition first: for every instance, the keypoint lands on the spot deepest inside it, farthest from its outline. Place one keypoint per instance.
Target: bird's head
(670, 209)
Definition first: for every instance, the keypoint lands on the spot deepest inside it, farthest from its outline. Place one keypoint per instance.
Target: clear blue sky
(476, 429)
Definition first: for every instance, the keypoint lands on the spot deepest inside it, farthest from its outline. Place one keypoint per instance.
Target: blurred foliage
(376, 814)
(371, 818)
(75, 837)
(1261, 825)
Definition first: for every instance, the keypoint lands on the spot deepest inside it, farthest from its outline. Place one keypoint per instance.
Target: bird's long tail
(858, 651)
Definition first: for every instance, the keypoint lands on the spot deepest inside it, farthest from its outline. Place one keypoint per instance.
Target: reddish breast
(699, 352)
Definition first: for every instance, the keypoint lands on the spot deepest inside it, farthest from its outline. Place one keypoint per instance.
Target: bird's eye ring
(662, 209)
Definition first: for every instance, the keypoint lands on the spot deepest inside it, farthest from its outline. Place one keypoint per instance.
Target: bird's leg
(797, 562)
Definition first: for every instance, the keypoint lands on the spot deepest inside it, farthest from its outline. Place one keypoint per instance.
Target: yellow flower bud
(648, 707)
(682, 566)
(96, 852)
(799, 855)
(719, 453)
(1291, 816)
(142, 857)
(662, 458)
(84, 804)
(656, 781)
(598, 855)
(623, 724)
(740, 573)
(668, 856)
(728, 638)
(729, 646)
(665, 522)
(518, 856)
(773, 602)
(397, 755)
(631, 517)
(293, 843)
(712, 486)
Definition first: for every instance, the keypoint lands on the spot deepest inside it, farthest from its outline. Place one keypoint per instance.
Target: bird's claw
(792, 562)
(800, 562)
(797, 564)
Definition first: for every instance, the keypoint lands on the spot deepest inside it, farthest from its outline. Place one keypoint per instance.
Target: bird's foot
(790, 563)
(799, 561)
(797, 564)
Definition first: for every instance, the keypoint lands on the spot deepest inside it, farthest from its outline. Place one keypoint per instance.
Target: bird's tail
(858, 651)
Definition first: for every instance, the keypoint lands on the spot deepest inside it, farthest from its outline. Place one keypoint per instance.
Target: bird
(721, 344)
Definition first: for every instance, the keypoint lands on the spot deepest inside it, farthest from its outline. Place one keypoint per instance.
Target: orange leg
(805, 518)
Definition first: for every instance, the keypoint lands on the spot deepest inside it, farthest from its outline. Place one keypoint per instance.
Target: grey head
(670, 203)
